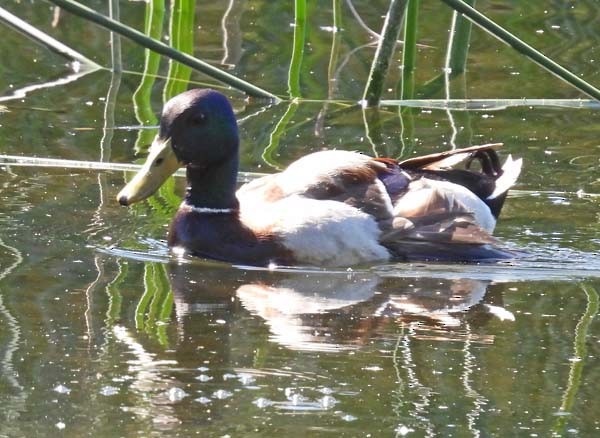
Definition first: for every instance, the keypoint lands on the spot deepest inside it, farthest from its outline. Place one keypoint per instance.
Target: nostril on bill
(123, 200)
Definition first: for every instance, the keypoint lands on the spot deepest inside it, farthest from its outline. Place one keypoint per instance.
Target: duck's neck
(213, 187)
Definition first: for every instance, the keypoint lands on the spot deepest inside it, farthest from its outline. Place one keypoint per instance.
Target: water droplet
(296, 399)
(176, 394)
(402, 430)
(262, 402)
(203, 378)
(109, 390)
(203, 400)
(60, 425)
(373, 368)
(328, 402)
(222, 394)
(246, 379)
(62, 389)
(166, 419)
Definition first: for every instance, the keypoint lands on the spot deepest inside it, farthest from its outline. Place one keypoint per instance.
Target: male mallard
(328, 208)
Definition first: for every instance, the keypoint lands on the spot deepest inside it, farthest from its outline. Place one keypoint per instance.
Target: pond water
(103, 333)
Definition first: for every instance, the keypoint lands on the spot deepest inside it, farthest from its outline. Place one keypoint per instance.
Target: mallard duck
(333, 207)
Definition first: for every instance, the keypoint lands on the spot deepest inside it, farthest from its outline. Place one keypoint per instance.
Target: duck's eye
(199, 119)
(159, 161)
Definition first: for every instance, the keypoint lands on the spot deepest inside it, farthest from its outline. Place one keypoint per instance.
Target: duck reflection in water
(328, 311)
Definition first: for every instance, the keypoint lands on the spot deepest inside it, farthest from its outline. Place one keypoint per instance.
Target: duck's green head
(197, 129)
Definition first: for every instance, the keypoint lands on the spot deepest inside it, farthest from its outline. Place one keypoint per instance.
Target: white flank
(320, 232)
(511, 170)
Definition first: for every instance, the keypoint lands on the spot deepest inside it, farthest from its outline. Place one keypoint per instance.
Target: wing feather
(444, 159)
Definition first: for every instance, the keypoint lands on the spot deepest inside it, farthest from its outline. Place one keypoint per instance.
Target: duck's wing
(446, 159)
(437, 220)
(447, 213)
(490, 183)
(347, 177)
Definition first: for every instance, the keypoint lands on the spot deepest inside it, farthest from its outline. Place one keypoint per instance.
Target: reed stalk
(44, 39)
(458, 43)
(335, 48)
(409, 54)
(115, 298)
(331, 67)
(142, 97)
(372, 123)
(384, 52)
(456, 56)
(298, 49)
(181, 32)
(522, 47)
(455, 65)
(157, 46)
(113, 88)
(268, 154)
(579, 352)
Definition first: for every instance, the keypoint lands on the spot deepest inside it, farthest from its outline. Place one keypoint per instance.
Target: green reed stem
(298, 48)
(157, 46)
(407, 131)
(335, 43)
(115, 298)
(181, 34)
(579, 347)
(458, 44)
(175, 18)
(372, 123)
(181, 31)
(166, 305)
(522, 47)
(44, 39)
(278, 131)
(158, 293)
(409, 54)
(384, 52)
(164, 319)
(144, 302)
(456, 55)
(331, 67)
(142, 97)
(113, 89)
(455, 65)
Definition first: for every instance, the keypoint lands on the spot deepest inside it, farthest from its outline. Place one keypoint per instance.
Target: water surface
(104, 333)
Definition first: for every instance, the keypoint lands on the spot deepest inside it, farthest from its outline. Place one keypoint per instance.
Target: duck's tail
(507, 176)
(510, 172)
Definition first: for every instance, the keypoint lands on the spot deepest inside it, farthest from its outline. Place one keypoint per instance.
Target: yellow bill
(160, 164)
